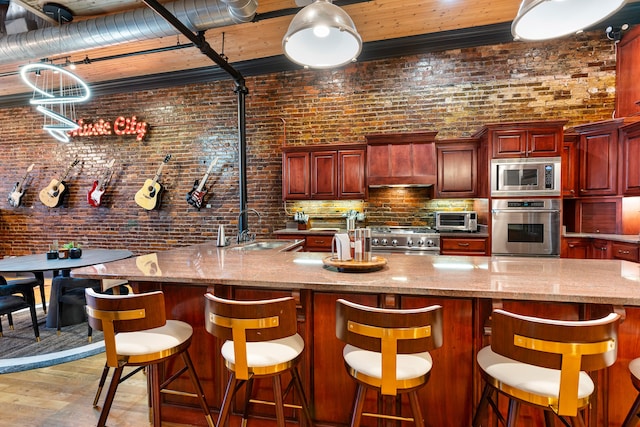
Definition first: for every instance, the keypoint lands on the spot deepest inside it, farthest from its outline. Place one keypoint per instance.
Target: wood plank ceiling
(381, 23)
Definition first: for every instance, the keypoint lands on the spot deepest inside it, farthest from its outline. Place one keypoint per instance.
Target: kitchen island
(467, 288)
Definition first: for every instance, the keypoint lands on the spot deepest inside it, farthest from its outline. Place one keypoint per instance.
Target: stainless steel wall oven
(528, 227)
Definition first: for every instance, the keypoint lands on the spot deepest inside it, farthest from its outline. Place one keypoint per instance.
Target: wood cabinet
(599, 215)
(627, 65)
(569, 165)
(325, 172)
(457, 168)
(312, 242)
(598, 158)
(625, 251)
(577, 248)
(629, 139)
(401, 159)
(600, 249)
(524, 139)
(463, 245)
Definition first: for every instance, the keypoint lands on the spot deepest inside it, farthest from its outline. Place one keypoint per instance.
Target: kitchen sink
(262, 245)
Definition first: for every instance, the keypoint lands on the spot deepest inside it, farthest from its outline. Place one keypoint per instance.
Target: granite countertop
(625, 238)
(540, 279)
(331, 231)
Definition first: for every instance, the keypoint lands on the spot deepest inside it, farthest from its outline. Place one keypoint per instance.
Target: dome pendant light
(322, 35)
(547, 19)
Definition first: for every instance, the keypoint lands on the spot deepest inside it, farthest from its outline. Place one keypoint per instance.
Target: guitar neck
(66, 172)
(206, 175)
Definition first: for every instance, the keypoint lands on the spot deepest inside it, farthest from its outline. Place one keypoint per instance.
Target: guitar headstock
(110, 164)
(75, 162)
(167, 158)
(30, 168)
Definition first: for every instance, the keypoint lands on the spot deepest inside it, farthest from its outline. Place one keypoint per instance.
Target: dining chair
(544, 363)
(387, 350)
(633, 416)
(16, 296)
(137, 333)
(260, 340)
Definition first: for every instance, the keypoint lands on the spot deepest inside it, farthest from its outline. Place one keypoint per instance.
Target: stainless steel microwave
(456, 221)
(537, 176)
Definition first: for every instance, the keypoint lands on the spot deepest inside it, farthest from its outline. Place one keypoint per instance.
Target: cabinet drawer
(318, 243)
(451, 246)
(625, 251)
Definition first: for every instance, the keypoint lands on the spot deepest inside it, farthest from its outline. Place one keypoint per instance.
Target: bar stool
(137, 333)
(388, 350)
(542, 363)
(634, 413)
(260, 341)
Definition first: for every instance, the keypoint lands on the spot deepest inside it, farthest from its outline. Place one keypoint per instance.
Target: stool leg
(302, 396)
(226, 401)
(630, 421)
(103, 379)
(481, 410)
(108, 400)
(196, 384)
(277, 393)
(156, 400)
(358, 405)
(248, 391)
(512, 413)
(415, 408)
(34, 321)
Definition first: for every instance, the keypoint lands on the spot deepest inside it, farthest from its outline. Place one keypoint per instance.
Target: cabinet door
(600, 249)
(598, 163)
(629, 159)
(324, 175)
(318, 243)
(544, 143)
(296, 184)
(627, 65)
(575, 248)
(463, 246)
(509, 143)
(569, 166)
(351, 174)
(601, 215)
(457, 170)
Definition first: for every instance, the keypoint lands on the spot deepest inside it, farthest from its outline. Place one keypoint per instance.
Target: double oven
(525, 207)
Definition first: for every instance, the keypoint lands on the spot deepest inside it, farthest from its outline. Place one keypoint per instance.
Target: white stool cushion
(529, 378)
(370, 363)
(634, 367)
(149, 341)
(267, 353)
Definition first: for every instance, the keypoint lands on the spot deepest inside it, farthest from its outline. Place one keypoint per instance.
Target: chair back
(113, 314)
(568, 346)
(249, 321)
(389, 332)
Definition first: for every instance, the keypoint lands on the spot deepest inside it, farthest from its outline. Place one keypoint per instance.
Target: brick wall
(454, 92)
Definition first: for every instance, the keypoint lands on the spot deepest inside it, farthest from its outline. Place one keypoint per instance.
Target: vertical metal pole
(242, 91)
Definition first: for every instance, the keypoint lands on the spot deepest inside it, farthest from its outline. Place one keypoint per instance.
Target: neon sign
(121, 126)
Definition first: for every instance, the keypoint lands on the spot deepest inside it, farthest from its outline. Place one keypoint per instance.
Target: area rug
(19, 350)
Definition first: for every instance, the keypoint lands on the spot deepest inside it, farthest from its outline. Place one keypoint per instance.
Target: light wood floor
(62, 395)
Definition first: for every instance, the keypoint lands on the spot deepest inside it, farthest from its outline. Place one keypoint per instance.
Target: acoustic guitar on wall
(195, 197)
(94, 196)
(15, 197)
(52, 194)
(148, 197)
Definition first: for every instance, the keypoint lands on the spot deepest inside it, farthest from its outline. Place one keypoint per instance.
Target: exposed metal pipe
(241, 90)
(134, 25)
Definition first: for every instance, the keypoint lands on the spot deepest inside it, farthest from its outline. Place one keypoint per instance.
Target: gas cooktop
(418, 240)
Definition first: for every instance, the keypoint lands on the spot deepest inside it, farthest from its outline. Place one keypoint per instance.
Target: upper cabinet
(629, 140)
(598, 158)
(401, 159)
(324, 172)
(627, 65)
(457, 168)
(524, 139)
(569, 165)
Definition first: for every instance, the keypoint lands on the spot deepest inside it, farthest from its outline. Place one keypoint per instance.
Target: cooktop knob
(430, 243)
(409, 242)
(384, 242)
(421, 242)
(375, 241)
(394, 242)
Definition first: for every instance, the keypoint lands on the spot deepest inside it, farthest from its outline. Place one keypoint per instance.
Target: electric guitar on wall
(197, 193)
(148, 197)
(94, 196)
(52, 195)
(15, 197)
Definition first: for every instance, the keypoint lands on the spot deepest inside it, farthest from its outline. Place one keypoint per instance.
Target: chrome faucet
(245, 235)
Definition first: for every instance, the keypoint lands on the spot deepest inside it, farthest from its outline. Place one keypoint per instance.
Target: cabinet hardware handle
(462, 244)
(572, 246)
(318, 241)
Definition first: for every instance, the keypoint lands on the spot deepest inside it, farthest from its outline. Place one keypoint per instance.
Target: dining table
(39, 263)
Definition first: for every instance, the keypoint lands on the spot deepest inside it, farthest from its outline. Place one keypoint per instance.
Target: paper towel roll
(343, 247)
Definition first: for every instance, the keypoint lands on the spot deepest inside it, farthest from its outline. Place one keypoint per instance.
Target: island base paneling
(450, 397)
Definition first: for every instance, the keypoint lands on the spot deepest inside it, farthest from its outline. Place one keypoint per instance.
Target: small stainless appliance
(524, 177)
(528, 227)
(457, 221)
(407, 240)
